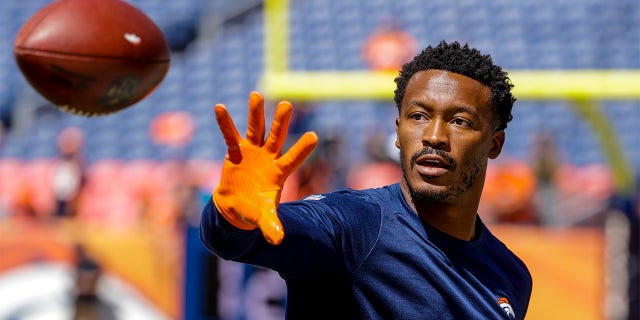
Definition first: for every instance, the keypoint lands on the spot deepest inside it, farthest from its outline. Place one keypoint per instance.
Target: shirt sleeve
(222, 238)
(331, 234)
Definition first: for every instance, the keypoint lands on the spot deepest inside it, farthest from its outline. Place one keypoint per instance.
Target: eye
(461, 122)
(417, 116)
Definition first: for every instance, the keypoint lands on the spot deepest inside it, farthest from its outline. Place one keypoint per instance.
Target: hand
(254, 172)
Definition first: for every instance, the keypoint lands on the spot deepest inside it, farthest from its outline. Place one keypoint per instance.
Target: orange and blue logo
(506, 306)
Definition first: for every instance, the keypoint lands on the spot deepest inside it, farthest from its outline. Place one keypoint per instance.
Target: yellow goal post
(584, 88)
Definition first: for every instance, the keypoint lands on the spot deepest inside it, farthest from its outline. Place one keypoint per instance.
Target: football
(92, 57)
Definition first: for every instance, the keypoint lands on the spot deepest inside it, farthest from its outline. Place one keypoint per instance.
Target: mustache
(430, 150)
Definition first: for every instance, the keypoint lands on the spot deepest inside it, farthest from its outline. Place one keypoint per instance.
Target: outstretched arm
(254, 170)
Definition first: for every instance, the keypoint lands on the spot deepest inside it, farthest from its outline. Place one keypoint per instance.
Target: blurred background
(99, 216)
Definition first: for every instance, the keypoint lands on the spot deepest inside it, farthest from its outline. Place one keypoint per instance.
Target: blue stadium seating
(224, 66)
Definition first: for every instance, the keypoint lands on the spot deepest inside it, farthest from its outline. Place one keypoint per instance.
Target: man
(412, 250)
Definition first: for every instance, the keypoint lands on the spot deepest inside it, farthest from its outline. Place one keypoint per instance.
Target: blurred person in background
(389, 47)
(70, 171)
(509, 193)
(381, 166)
(88, 305)
(546, 163)
(4, 211)
(416, 249)
(320, 174)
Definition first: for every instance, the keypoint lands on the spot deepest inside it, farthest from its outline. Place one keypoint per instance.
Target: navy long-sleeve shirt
(367, 255)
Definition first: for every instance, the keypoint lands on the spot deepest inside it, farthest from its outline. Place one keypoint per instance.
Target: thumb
(271, 229)
(270, 225)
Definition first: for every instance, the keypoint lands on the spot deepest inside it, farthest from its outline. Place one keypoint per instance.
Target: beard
(471, 170)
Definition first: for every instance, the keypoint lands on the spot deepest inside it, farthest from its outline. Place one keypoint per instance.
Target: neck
(459, 225)
(456, 218)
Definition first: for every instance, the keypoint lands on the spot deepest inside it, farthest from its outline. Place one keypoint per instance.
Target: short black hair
(466, 61)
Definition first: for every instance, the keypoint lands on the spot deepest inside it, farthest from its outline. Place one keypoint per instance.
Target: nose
(436, 134)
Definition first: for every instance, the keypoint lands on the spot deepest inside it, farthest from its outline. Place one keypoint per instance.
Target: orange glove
(254, 171)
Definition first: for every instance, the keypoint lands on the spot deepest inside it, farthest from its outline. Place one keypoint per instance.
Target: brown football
(92, 57)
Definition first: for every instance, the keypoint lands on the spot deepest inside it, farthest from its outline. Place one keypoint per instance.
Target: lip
(432, 166)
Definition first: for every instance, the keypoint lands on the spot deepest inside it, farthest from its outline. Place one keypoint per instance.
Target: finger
(278, 133)
(296, 155)
(256, 122)
(229, 133)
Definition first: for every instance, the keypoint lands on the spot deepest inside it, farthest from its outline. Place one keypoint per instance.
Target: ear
(497, 141)
(397, 128)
